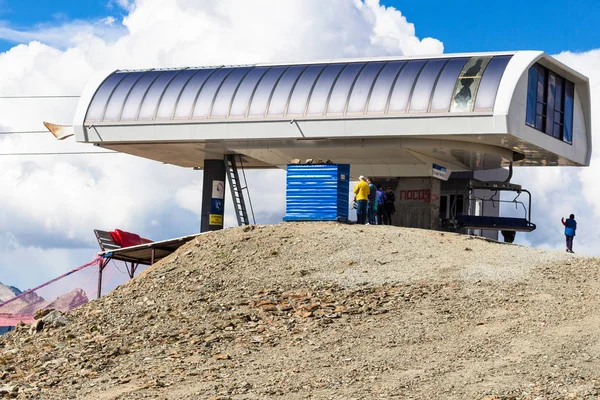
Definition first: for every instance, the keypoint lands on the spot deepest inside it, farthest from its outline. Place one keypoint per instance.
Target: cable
(22, 132)
(60, 153)
(41, 97)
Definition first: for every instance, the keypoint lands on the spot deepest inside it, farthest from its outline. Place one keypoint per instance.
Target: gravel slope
(326, 311)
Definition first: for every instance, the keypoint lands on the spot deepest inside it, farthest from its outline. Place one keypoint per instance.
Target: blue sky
(550, 25)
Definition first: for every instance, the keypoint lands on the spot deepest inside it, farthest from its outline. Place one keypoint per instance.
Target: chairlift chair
(507, 225)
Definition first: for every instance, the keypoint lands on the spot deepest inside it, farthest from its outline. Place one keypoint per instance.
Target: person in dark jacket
(570, 228)
(372, 200)
(380, 200)
(388, 206)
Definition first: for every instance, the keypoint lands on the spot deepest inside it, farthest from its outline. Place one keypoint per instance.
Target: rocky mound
(325, 311)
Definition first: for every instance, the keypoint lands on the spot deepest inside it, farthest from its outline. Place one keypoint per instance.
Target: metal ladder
(237, 188)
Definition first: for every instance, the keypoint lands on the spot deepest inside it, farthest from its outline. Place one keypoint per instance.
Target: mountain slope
(324, 310)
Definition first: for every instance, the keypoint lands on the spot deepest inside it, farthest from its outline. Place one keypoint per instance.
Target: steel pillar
(213, 196)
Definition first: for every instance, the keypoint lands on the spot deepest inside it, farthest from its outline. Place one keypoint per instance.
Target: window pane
(404, 85)
(242, 97)
(170, 96)
(558, 94)
(568, 114)
(322, 88)
(467, 84)
(419, 102)
(115, 104)
(342, 87)
(445, 85)
(302, 90)
(281, 94)
(186, 101)
(541, 87)
(488, 88)
(550, 104)
(207, 93)
(225, 95)
(98, 103)
(557, 130)
(362, 87)
(532, 96)
(383, 86)
(264, 90)
(541, 109)
(154, 94)
(558, 118)
(539, 122)
(136, 96)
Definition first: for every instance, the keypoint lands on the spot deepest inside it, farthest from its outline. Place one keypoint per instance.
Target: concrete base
(417, 203)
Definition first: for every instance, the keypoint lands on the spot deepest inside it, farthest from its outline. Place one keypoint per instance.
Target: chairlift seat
(495, 223)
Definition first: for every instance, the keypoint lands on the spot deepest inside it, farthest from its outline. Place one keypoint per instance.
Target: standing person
(388, 205)
(361, 190)
(570, 228)
(379, 202)
(372, 199)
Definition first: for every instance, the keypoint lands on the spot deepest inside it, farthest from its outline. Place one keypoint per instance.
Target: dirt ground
(326, 311)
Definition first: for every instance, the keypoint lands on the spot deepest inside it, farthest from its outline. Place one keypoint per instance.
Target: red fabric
(127, 239)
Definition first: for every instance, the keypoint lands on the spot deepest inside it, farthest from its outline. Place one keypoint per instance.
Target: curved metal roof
(459, 84)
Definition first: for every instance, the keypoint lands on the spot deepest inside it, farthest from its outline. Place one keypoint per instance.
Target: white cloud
(50, 205)
(559, 192)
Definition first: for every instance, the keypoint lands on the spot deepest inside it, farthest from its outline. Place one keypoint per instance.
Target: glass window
(320, 93)
(383, 85)
(404, 84)
(154, 94)
(136, 96)
(207, 93)
(568, 114)
(550, 104)
(532, 96)
(540, 118)
(445, 84)
(419, 101)
(190, 91)
(490, 81)
(362, 87)
(468, 82)
(226, 92)
(115, 104)
(172, 93)
(302, 90)
(342, 87)
(98, 103)
(283, 90)
(245, 90)
(261, 97)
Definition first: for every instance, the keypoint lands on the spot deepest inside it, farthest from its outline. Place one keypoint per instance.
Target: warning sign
(218, 190)
(215, 219)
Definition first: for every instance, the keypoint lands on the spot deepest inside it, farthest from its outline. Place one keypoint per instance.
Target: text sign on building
(440, 172)
(217, 203)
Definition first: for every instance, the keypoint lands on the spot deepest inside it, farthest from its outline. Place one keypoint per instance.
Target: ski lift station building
(401, 120)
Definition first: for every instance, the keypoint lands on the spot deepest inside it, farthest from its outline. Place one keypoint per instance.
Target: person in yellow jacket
(361, 191)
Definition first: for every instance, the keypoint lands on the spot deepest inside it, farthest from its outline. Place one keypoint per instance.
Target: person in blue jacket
(570, 228)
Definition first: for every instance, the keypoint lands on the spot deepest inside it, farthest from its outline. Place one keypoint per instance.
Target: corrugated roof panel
(437, 85)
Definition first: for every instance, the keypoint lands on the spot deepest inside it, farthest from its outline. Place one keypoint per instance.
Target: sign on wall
(217, 203)
(440, 172)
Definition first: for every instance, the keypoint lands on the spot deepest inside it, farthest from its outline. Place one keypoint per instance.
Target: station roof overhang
(461, 111)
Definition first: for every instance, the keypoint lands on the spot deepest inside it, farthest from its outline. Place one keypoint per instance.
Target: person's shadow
(463, 97)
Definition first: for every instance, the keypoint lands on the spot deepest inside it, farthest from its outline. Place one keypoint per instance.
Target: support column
(417, 203)
(213, 196)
